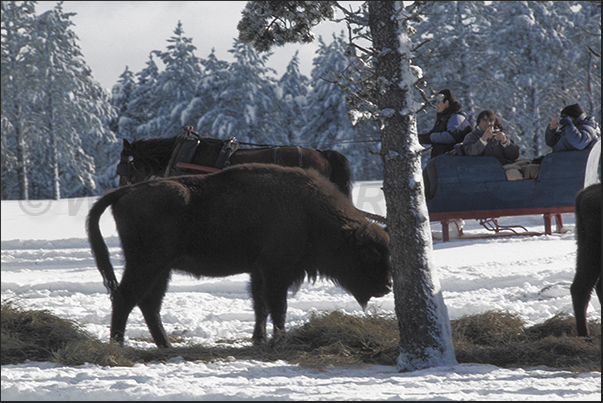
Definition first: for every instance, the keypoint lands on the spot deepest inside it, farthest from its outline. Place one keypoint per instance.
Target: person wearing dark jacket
(451, 126)
(489, 139)
(573, 130)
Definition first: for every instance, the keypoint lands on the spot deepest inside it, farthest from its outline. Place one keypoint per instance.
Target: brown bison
(277, 224)
(588, 264)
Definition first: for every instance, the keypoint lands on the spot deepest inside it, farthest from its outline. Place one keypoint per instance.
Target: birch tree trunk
(425, 336)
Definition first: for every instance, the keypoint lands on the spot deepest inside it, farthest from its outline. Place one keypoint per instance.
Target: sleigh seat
(475, 187)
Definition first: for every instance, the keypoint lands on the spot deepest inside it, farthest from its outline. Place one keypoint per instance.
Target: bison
(277, 224)
(588, 264)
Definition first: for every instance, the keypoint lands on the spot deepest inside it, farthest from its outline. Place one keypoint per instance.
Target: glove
(564, 120)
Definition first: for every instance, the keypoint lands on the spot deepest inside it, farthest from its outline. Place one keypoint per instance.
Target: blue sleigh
(476, 188)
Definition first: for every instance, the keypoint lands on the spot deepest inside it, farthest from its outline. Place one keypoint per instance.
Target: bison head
(369, 271)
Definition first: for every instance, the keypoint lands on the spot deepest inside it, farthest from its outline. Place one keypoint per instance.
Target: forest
(62, 132)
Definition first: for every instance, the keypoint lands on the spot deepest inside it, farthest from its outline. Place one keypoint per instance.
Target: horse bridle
(128, 168)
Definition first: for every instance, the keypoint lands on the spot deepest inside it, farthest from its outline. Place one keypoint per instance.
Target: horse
(142, 160)
(588, 263)
(239, 220)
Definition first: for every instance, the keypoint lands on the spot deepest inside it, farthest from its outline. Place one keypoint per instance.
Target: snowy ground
(46, 264)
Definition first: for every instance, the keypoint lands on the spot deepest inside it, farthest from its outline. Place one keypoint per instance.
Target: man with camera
(489, 139)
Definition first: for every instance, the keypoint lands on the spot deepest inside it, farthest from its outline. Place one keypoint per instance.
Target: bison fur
(278, 224)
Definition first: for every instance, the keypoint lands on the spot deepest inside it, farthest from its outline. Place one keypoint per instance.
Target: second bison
(277, 224)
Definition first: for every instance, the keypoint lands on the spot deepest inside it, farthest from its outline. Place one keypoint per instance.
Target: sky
(116, 34)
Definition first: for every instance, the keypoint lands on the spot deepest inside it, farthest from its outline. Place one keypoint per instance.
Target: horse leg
(134, 285)
(259, 307)
(150, 307)
(584, 281)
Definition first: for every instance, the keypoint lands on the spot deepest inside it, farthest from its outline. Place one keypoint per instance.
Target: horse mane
(156, 152)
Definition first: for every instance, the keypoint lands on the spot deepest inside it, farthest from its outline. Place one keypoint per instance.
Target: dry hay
(330, 339)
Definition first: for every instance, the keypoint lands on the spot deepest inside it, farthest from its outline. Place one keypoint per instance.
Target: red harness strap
(186, 165)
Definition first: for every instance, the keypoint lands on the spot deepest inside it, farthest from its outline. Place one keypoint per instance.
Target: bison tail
(341, 172)
(97, 243)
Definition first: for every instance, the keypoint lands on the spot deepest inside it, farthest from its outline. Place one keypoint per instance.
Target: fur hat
(574, 111)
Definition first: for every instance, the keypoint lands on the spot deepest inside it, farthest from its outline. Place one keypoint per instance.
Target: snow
(47, 264)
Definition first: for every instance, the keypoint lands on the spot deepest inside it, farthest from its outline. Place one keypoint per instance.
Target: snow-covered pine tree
(174, 88)
(215, 76)
(121, 93)
(292, 102)
(585, 36)
(71, 114)
(425, 338)
(17, 86)
(328, 124)
(140, 103)
(244, 105)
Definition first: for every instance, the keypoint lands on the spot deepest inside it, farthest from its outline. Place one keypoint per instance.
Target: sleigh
(469, 187)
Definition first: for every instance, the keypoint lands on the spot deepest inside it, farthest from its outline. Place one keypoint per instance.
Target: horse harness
(185, 149)
(299, 155)
(183, 153)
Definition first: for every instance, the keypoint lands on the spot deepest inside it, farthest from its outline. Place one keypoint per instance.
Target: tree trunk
(425, 337)
(21, 162)
(54, 157)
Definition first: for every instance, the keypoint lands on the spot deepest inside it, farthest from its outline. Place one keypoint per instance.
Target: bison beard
(277, 224)
(588, 265)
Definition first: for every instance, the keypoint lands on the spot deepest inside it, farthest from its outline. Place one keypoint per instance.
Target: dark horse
(145, 159)
(588, 265)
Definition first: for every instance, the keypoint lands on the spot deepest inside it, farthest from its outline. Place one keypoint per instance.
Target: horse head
(138, 162)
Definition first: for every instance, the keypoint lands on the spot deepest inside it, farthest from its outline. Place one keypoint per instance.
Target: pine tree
(71, 113)
(292, 101)
(174, 88)
(17, 86)
(215, 76)
(121, 94)
(585, 56)
(328, 122)
(54, 116)
(140, 103)
(244, 105)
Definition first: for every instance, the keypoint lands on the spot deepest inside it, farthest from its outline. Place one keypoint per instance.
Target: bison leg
(259, 307)
(150, 307)
(581, 289)
(133, 287)
(122, 306)
(277, 284)
(276, 300)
